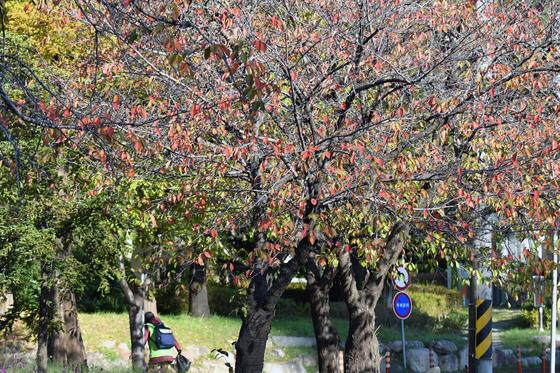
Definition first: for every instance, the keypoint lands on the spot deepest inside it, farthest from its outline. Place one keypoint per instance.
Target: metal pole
(554, 313)
(541, 327)
(472, 324)
(403, 344)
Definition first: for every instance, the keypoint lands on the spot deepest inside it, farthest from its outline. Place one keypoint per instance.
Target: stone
(214, 367)
(285, 341)
(449, 363)
(108, 344)
(504, 357)
(433, 370)
(463, 358)
(307, 361)
(195, 352)
(123, 351)
(445, 347)
(530, 361)
(396, 346)
(293, 366)
(418, 360)
(276, 352)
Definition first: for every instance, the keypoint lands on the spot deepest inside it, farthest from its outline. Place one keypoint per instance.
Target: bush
(437, 306)
(224, 301)
(530, 317)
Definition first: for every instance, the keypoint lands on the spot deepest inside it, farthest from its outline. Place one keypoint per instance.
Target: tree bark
(198, 294)
(66, 345)
(135, 302)
(362, 347)
(262, 300)
(319, 284)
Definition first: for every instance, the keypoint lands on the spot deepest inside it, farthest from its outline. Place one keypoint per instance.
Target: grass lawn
(221, 332)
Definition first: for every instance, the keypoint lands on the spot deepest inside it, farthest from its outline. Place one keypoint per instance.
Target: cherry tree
(323, 132)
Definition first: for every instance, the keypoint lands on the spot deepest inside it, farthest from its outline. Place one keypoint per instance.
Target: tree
(303, 120)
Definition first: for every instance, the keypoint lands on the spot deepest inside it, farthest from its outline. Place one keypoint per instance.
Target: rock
(285, 341)
(540, 339)
(195, 352)
(530, 361)
(108, 344)
(445, 347)
(307, 360)
(463, 358)
(449, 363)
(417, 359)
(289, 367)
(433, 370)
(123, 351)
(396, 346)
(214, 367)
(278, 353)
(503, 357)
(97, 360)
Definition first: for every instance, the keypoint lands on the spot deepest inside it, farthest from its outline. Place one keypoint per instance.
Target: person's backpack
(163, 337)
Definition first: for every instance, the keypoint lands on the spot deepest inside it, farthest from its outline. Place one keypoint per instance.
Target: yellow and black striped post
(483, 348)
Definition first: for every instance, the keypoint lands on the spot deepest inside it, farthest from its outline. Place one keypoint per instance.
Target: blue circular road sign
(402, 305)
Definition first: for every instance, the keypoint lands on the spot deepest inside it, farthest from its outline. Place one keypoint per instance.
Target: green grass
(522, 337)
(221, 332)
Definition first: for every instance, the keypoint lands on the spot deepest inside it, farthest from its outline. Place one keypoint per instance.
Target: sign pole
(402, 304)
(403, 344)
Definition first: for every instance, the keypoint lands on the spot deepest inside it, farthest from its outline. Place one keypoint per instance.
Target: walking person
(161, 342)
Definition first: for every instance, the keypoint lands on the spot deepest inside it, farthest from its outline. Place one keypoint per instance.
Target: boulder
(285, 341)
(445, 347)
(289, 367)
(396, 346)
(449, 363)
(530, 361)
(503, 357)
(278, 353)
(418, 360)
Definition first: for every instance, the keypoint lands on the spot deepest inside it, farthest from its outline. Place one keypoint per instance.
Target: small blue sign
(402, 305)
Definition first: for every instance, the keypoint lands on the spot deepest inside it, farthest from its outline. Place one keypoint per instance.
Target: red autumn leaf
(116, 102)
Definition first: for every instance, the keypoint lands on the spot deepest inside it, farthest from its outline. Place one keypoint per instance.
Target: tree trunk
(318, 286)
(198, 296)
(362, 348)
(56, 340)
(251, 345)
(262, 299)
(76, 357)
(136, 323)
(43, 332)
(135, 302)
(199, 301)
